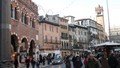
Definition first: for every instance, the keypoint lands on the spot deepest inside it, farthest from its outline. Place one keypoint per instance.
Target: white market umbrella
(112, 44)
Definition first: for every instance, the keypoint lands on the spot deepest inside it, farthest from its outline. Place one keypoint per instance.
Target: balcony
(52, 41)
(66, 38)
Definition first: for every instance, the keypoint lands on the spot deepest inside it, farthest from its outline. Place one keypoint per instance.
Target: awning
(107, 44)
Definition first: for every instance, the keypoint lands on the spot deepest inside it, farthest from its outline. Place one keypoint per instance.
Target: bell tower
(100, 15)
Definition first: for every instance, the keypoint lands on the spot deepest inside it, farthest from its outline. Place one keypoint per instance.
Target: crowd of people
(91, 61)
(75, 61)
(35, 63)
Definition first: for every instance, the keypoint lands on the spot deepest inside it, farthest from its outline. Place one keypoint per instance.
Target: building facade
(115, 34)
(71, 35)
(70, 19)
(101, 34)
(64, 36)
(24, 16)
(50, 34)
(91, 25)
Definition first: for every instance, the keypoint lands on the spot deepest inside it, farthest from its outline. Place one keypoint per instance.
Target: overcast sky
(81, 9)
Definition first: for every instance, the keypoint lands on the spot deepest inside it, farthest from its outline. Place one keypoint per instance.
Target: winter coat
(16, 63)
(78, 64)
(113, 63)
(92, 64)
(68, 65)
(104, 63)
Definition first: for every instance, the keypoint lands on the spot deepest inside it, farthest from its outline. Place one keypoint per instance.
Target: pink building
(50, 34)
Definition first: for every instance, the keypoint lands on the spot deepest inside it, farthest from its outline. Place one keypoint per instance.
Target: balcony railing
(52, 41)
(64, 37)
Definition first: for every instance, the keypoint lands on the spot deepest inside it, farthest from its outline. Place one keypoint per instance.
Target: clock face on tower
(99, 13)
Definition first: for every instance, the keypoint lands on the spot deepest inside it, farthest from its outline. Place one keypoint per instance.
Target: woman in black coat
(67, 62)
(78, 62)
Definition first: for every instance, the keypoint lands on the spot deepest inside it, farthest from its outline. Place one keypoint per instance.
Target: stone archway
(14, 45)
(32, 48)
(23, 49)
(14, 42)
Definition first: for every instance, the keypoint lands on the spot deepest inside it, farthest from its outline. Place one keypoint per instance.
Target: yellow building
(64, 36)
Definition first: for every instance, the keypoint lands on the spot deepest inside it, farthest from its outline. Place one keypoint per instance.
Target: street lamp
(108, 18)
(5, 36)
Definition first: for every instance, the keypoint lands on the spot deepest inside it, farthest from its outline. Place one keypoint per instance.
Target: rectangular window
(56, 39)
(81, 33)
(45, 38)
(57, 29)
(81, 22)
(33, 24)
(11, 11)
(16, 14)
(51, 38)
(26, 22)
(22, 18)
(45, 26)
(30, 22)
(85, 33)
(50, 28)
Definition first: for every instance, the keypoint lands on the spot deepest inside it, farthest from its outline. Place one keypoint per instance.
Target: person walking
(113, 63)
(78, 62)
(118, 59)
(43, 60)
(85, 61)
(92, 62)
(73, 60)
(37, 63)
(67, 62)
(33, 63)
(27, 62)
(16, 62)
(40, 58)
(104, 62)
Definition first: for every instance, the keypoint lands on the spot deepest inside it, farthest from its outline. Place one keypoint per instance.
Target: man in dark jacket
(73, 60)
(92, 62)
(113, 63)
(78, 62)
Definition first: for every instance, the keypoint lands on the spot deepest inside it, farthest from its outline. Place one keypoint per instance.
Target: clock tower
(100, 15)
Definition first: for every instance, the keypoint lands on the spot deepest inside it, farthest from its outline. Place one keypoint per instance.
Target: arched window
(15, 14)
(22, 17)
(33, 24)
(26, 19)
(11, 11)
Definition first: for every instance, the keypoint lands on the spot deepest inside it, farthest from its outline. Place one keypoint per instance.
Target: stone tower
(100, 15)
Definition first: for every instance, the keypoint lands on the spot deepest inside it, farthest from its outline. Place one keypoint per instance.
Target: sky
(81, 9)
